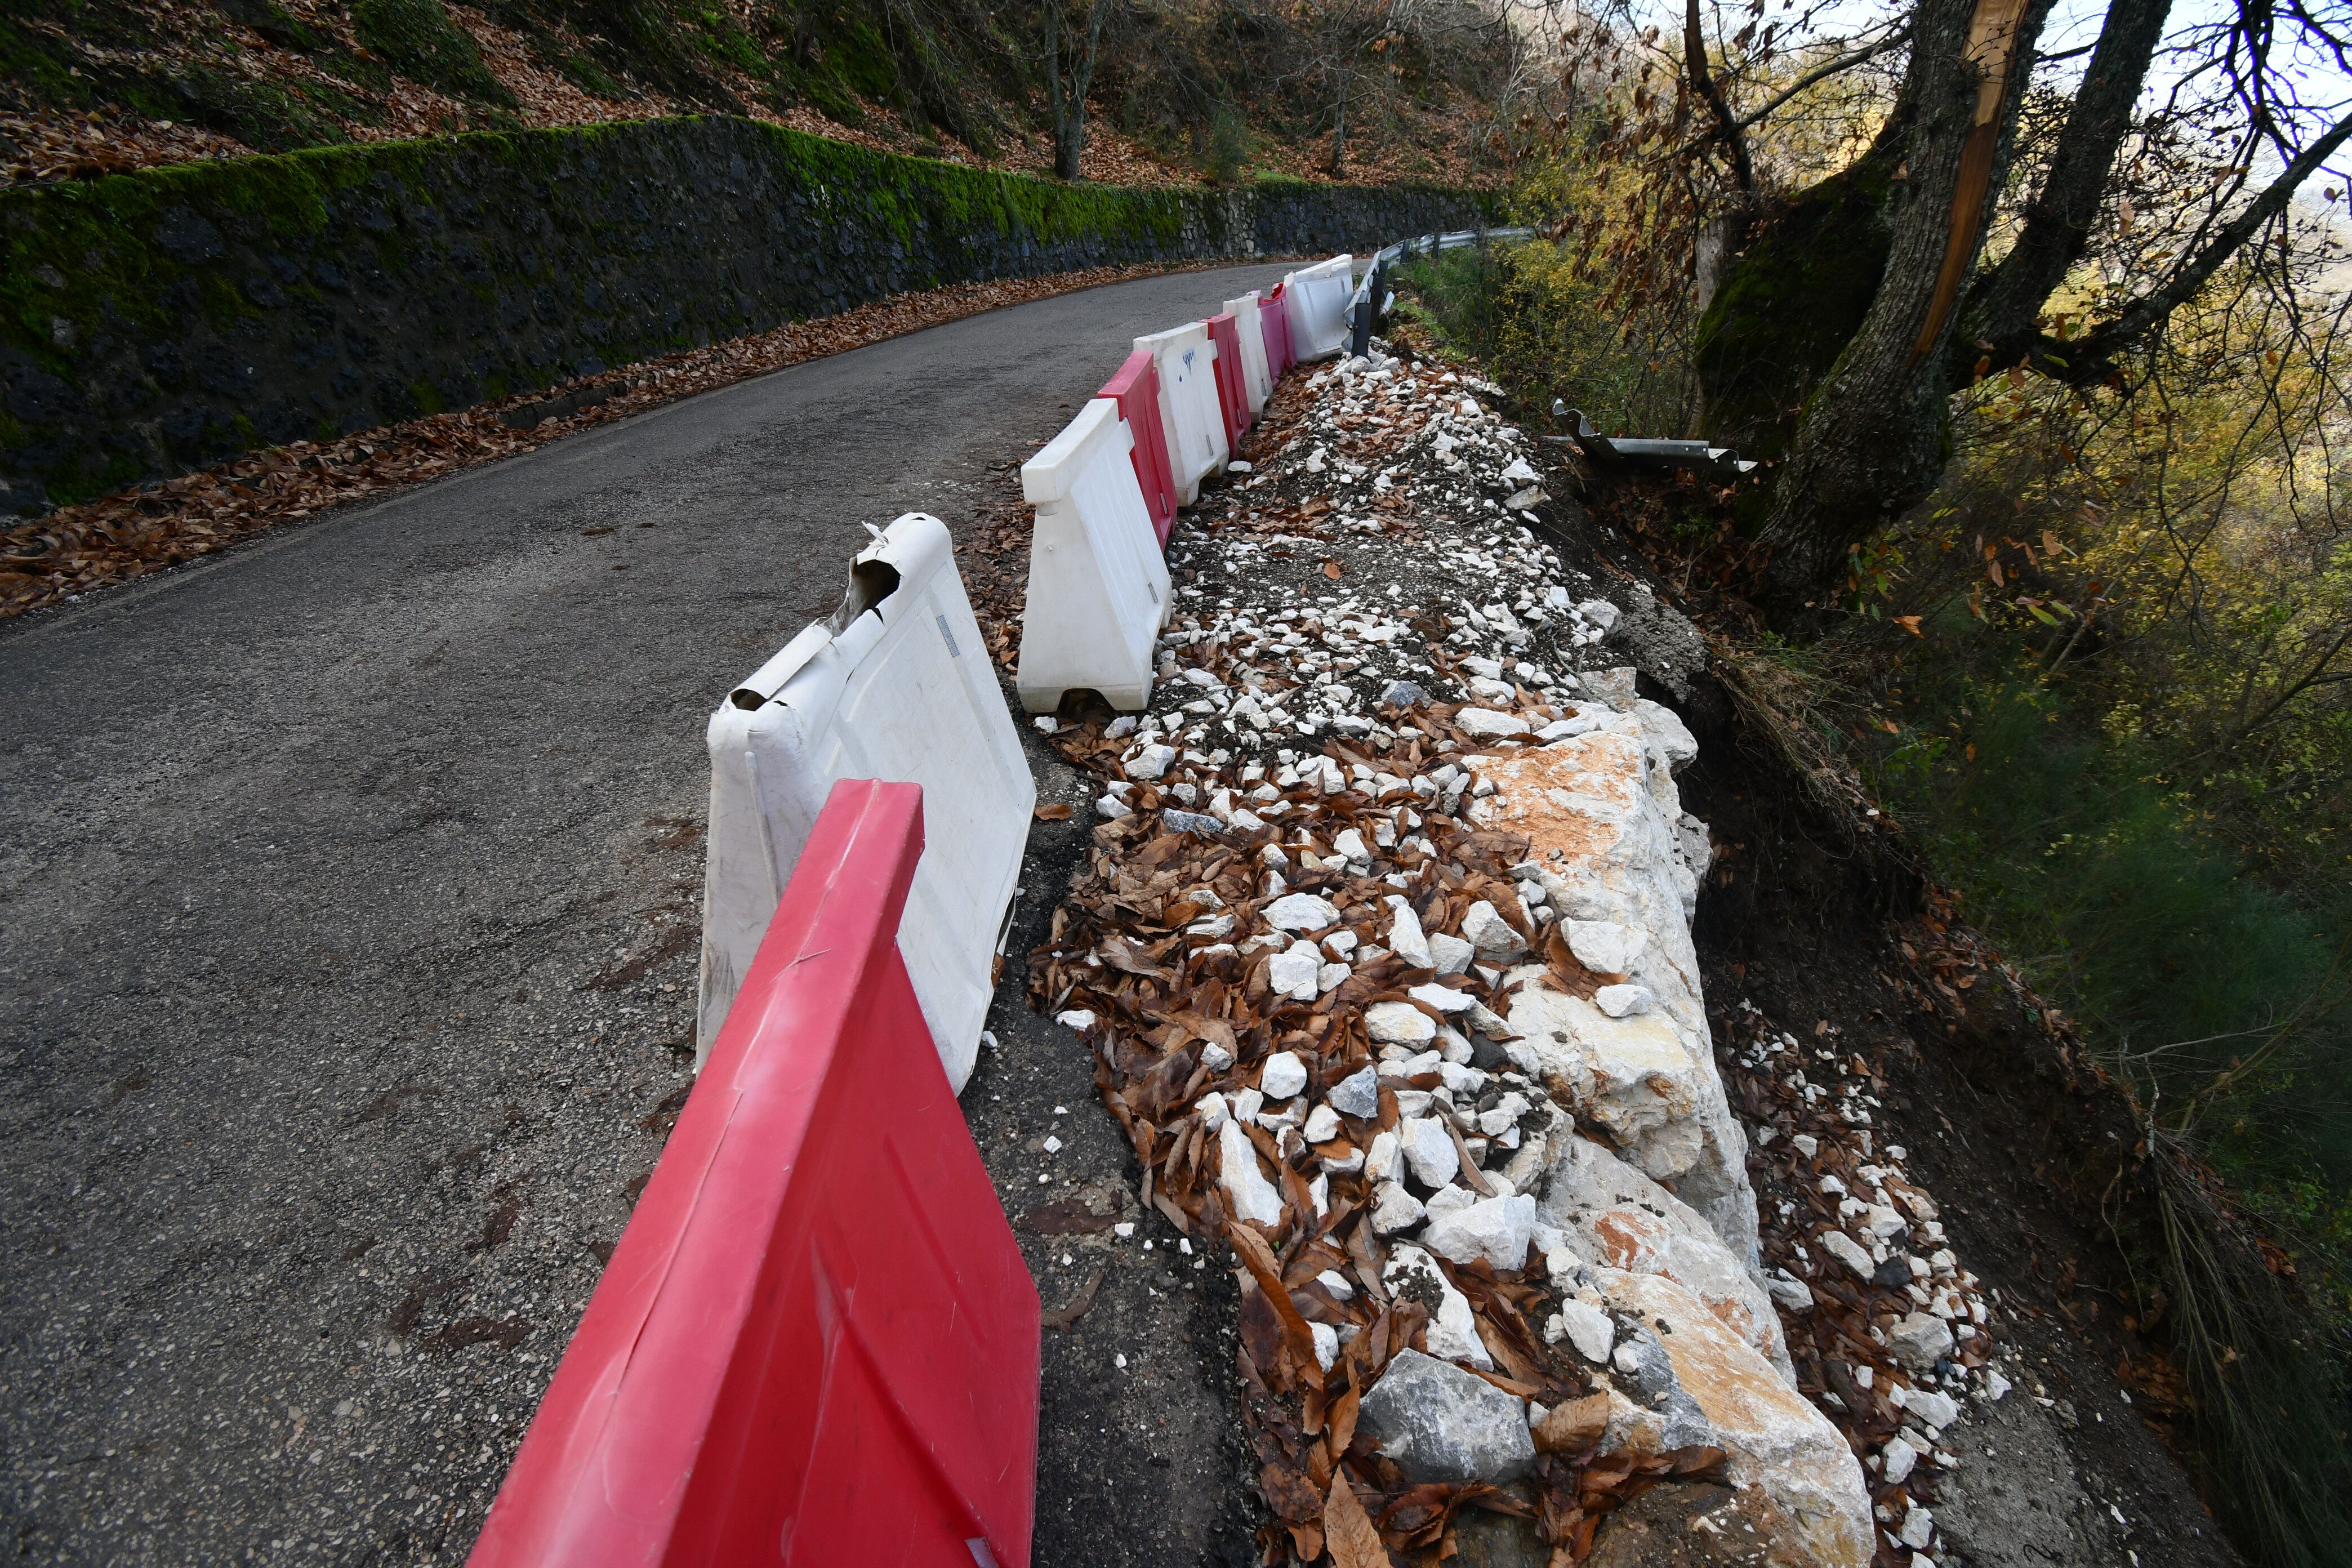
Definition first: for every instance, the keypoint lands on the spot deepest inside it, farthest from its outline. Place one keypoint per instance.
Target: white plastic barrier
(895, 685)
(1255, 375)
(1318, 299)
(1097, 582)
(1188, 403)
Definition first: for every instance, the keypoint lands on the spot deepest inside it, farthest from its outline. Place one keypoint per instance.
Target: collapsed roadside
(1382, 952)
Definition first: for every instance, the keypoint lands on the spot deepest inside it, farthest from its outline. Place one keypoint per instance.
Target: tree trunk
(1067, 82)
(1339, 131)
(1872, 443)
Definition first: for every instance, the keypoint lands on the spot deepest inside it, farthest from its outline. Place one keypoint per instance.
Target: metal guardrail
(1372, 298)
(1723, 461)
(1362, 311)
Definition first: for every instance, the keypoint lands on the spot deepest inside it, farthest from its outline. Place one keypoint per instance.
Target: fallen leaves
(1348, 1531)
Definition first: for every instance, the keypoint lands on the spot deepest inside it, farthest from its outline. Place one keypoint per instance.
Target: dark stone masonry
(159, 321)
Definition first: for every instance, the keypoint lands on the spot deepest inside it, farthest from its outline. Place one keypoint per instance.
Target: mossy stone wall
(152, 322)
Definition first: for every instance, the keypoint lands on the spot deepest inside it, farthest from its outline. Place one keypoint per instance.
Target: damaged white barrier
(896, 686)
(1318, 302)
(1257, 375)
(1097, 582)
(1188, 403)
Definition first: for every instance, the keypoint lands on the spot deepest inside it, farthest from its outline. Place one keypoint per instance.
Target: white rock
(1405, 938)
(1848, 1251)
(1772, 1436)
(1110, 809)
(1624, 1001)
(1489, 725)
(1399, 1024)
(1322, 1125)
(1327, 1342)
(1150, 761)
(1620, 1218)
(1284, 1074)
(1919, 1528)
(1599, 614)
(1349, 845)
(1212, 1110)
(1075, 1018)
(1357, 1095)
(1395, 1209)
(1896, 1460)
(1444, 998)
(1451, 1198)
(1936, 1410)
(1301, 911)
(1214, 1056)
(1495, 939)
(1793, 1294)
(1331, 977)
(1248, 1194)
(1883, 1222)
(1605, 947)
(1498, 1230)
(1440, 1423)
(1450, 954)
(1429, 1152)
(1342, 1287)
(1381, 1161)
(1453, 1332)
(1293, 973)
(1589, 1329)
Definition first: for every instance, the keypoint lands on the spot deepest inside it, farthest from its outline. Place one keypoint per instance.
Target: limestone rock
(1394, 1209)
(1494, 938)
(1248, 1194)
(1605, 947)
(1405, 938)
(1450, 953)
(1301, 911)
(1441, 1423)
(1399, 1024)
(1357, 1095)
(1488, 724)
(1773, 1437)
(1620, 1218)
(1920, 1340)
(1283, 1076)
(1452, 1332)
(1429, 1151)
(1588, 1327)
(1293, 973)
(1497, 1231)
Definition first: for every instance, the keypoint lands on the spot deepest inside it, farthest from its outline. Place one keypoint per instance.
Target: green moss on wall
(149, 313)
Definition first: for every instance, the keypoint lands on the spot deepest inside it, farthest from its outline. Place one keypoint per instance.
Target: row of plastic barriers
(1108, 488)
(817, 1341)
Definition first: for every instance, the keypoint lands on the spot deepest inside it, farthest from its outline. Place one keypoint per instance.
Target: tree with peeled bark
(1852, 310)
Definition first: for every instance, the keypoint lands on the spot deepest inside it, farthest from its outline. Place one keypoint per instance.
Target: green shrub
(2222, 1002)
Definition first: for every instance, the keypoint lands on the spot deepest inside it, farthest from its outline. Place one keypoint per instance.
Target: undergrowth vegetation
(2102, 678)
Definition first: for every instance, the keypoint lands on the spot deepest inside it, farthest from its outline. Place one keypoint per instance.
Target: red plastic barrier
(816, 1343)
(1273, 325)
(1136, 389)
(1232, 380)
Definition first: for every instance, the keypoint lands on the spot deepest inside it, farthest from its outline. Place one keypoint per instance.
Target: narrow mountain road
(348, 903)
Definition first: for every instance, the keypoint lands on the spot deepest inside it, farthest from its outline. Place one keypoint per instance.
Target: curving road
(349, 886)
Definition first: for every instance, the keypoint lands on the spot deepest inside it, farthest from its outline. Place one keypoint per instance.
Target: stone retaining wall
(159, 321)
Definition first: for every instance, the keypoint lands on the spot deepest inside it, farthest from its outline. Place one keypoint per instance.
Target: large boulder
(1772, 1438)
(1608, 844)
(1620, 1218)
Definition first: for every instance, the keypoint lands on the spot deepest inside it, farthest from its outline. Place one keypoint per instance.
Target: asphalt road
(349, 894)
